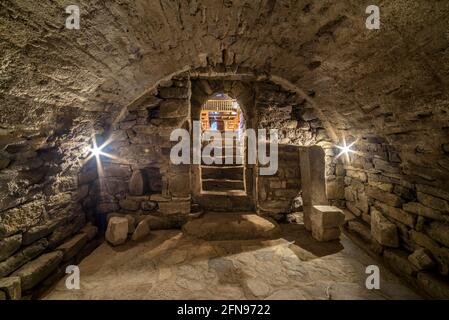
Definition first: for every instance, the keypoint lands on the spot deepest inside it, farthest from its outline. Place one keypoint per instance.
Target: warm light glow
(346, 149)
(95, 151)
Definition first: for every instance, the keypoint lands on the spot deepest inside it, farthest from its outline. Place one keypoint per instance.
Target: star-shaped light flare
(346, 149)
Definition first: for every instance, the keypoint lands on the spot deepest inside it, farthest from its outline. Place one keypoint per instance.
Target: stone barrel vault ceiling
(387, 88)
(390, 82)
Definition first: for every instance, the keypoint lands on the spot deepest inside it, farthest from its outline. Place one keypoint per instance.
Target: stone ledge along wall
(402, 217)
(42, 224)
(298, 125)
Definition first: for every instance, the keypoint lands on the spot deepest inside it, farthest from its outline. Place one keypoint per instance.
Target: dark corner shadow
(303, 239)
(151, 241)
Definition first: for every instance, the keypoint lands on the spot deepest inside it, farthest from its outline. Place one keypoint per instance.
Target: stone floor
(170, 265)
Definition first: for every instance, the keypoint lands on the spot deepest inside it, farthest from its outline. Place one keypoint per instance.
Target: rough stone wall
(404, 219)
(298, 125)
(140, 142)
(60, 83)
(275, 193)
(141, 179)
(40, 214)
(321, 49)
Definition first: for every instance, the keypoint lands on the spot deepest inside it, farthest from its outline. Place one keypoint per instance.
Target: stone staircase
(227, 175)
(223, 185)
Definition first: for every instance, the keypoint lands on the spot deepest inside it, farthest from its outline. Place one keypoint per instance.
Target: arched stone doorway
(226, 186)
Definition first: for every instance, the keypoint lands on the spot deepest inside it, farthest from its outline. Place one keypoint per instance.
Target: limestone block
(433, 202)
(90, 230)
(351, 207)
(386, 197)
(12, 287)
(174, 93)
(382, 230)
(159, 198)
(421, 210)
(308, 114)
(38, 232)
(398, 260)
(9, 245)
(116, 170)
(136, 183)
(359, 175)
(64, 231)
(276, 206)
(19, 259)
(327, 234)
(433, 191)
(117, 231)
(396, 213)
(37, 270)
(142, 230)
(71, 247)
(129, 204)
(312, 168)
(361, 203)
(386, 166)
(173, 207)
(439, 232)
(437, 287)
(130, 218)
(421, 259)
(327, 217)
(360, 229)
(179, 185)
(21, 218)
(387, 187)
(174, 108)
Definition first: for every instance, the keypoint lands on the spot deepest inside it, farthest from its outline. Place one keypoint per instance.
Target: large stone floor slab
(170, 265)
(231, 226)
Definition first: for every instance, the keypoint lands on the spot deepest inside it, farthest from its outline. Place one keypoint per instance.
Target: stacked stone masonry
(401, 215)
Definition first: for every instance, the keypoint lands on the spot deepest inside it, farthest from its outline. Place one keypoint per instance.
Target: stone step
(223, 172)
(222, 184)
(232, 226)
(220, 142)
(232, 160)
(221, 150)
(230, 200)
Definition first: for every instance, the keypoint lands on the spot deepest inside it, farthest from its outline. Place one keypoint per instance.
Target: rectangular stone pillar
(313, 183)
(326, 222)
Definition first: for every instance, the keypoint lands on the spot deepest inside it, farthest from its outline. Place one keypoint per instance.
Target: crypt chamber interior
(90, 125)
